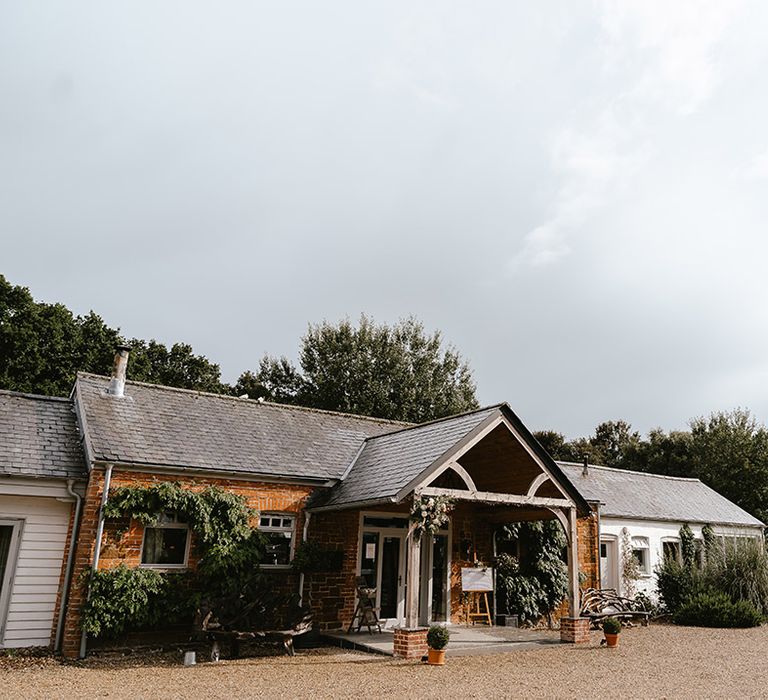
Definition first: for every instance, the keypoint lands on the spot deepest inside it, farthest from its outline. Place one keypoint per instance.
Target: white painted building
(42, 475)
(644, 512)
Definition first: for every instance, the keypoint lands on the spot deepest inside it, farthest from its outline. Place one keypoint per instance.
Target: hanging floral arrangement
(430, 513)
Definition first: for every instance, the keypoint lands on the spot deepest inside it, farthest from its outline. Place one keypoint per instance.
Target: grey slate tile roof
(164, 426)
(388, 462)
(629, 494)
(39, 437)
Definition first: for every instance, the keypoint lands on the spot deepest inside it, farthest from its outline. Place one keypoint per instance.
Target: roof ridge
(413, 426)
(37, 397)
(630, 471)
(253, 402)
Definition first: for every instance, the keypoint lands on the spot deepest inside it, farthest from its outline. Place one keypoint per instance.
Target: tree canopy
(43, 346)
(728, 451)
(398, 372)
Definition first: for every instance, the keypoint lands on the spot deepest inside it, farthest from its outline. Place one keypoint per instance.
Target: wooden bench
(216, 633)
(598, 604)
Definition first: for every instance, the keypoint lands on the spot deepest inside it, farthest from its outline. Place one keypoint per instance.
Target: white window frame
(676, 541)
(643, 543)
(270, 528)
(173, 524)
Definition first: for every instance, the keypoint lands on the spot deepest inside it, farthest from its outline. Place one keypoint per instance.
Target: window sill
(276, 567)
(165, 567)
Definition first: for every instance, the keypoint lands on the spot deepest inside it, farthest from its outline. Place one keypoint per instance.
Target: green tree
(43, 346)
(612, 439)
(398, 372)
(729, 453)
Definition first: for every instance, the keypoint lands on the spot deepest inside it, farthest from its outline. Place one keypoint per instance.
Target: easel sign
(474, 579)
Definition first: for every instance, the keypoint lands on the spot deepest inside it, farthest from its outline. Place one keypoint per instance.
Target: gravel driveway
(658, 661)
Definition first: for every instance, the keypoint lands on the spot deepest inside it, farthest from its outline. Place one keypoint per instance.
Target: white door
(608, 564)
(382, 563)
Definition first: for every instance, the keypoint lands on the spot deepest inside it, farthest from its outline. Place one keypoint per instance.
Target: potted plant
(437, 640)
(611, 629)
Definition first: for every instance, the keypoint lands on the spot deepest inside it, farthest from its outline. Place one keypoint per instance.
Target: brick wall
(57, 609)
(123, 546)
(332, 595)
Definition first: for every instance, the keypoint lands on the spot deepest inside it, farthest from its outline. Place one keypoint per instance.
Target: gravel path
(658, 661)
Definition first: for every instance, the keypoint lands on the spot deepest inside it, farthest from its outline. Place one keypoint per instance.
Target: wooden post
(574, 602)
(412, 581)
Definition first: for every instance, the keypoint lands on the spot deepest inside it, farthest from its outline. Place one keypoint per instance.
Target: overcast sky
(574, 193)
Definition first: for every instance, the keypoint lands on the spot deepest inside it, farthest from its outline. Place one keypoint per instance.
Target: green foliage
(532, 586)
(630, 569)
(121, 597)
(311, 557)
(437, 637)
(230, 548)
(221, 521)
(607, 446)
(677, 582)
(611, 625)
(716, 609)
(687, 545)
(741, 571)
(738, 571)
(397, 372)
(43, 346)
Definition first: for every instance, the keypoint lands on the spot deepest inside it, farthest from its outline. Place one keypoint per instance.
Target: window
(671, 549)
(642, 554)
(166, 544)
(278, 529)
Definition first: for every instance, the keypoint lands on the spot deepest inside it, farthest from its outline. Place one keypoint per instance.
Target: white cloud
(660, 60)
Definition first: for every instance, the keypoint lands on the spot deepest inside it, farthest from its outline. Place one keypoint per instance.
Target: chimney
(117, 381)
(585, 470)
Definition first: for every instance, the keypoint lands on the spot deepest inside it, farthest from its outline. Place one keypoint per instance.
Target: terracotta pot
(436, 657)
(611, 640)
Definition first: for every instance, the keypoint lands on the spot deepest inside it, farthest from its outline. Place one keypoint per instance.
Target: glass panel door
(6, 535)
(390, 577)
(439, 577)
(369, 558)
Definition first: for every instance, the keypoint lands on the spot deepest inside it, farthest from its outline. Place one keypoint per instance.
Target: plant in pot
(611, 629)
(437, 640)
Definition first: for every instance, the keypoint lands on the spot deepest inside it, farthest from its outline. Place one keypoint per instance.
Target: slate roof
(388, 462)
(164, 426)
(630, 494)
(39, 437)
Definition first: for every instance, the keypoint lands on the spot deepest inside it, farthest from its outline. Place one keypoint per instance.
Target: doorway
(9, 544)
(383, 566)
(608, 563)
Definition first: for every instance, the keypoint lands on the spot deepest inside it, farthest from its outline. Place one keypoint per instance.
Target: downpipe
(70, 564)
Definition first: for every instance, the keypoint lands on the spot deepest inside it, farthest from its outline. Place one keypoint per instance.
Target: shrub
(716, 609)
(121, 597)
(437, 637)
(677, 582)
(741, 571)
(611, 625)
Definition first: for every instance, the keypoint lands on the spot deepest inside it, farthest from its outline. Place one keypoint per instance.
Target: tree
(612, 439)
(729, 453)
(43, 346)
(398, 372)
(178, 366)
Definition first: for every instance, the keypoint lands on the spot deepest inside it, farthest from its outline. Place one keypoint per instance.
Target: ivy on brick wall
(230, 550)
(220, 520)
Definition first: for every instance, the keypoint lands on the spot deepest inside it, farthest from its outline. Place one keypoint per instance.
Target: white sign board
(476, 579)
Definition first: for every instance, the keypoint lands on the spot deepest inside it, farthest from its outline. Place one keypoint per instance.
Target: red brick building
(345, 482)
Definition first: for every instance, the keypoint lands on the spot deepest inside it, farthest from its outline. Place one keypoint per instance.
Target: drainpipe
(307, 516)
(70, 562)
(97, 550)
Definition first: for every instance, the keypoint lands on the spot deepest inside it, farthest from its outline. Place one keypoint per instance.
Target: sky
(574, 193)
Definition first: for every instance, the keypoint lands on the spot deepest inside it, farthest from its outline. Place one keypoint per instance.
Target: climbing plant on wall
(230, 550)
(534, 583)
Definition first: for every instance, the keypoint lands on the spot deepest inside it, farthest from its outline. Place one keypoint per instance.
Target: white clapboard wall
(38, 568)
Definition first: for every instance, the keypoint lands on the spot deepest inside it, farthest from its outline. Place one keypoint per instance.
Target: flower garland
(430, 513)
